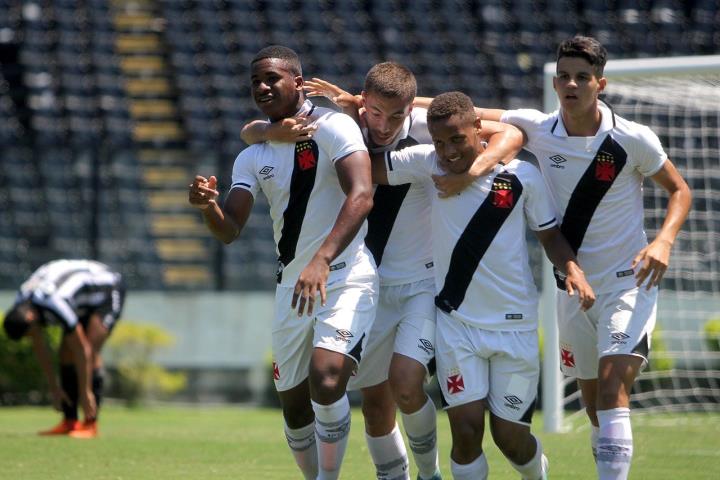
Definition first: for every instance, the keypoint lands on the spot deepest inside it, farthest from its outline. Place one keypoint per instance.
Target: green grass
(247, 443)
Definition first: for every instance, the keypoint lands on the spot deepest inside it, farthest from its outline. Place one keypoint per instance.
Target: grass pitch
(247, 443)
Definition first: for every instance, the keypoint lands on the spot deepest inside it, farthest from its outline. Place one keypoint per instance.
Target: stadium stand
(108, 107)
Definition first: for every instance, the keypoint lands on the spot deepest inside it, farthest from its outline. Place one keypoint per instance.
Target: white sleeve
(410, 165)
(243, 174)
(539, 209)
(527, 120)
(339, 136)
(649, 156)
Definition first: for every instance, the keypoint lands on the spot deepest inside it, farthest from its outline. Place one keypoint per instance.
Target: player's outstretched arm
(42, 353)
(561, 255)
(655, 258)
(504, 143)
(354, 174)
(224, 223)
(82, 357)
(379, 169)
(287, 130)
(350, 104)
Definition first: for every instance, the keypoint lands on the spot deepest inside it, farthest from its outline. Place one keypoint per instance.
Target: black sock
(69, 384)
(98, 381)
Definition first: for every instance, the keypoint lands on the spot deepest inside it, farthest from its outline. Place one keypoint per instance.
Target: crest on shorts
(306, 154)
(566, 357)
(605, 167)
(455, 382)
(502, 193)
(276, 371)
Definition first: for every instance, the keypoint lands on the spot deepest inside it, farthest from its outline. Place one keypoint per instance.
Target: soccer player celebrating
(595, 161)
(320, 193)
(486, 337)
(85, 298)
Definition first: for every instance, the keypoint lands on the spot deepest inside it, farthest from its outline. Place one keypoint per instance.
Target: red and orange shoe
(87, 429)
(62, 428)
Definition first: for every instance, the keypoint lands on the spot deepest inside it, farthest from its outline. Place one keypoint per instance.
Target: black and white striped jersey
(482, 271)
(66, 291)
(303, 190)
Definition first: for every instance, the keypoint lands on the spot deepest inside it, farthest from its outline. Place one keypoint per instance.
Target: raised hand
(203, 192)
(318, 87)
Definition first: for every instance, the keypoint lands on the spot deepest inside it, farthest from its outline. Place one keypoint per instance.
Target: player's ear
(299, 82)
(363, 94)
(602, 82)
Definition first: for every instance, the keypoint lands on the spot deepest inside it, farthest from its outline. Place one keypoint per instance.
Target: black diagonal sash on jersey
(301, 185)
(589, 192)
(476, 239)
(386, 206)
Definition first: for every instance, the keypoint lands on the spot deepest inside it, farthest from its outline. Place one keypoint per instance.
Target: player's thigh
(578, 337)
(463, 371)
(508, 435)
(514, 374)
(291, 342)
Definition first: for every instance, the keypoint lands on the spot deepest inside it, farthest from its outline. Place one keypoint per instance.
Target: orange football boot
(87, 429)
(62, 428)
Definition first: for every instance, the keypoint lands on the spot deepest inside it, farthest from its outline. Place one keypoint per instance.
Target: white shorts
(500, 366)
(342, 326)
(619, 323)
(404, 324)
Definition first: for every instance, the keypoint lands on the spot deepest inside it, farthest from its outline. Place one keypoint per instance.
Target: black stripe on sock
(476, 239)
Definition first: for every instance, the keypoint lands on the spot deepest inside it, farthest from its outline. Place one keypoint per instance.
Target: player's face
(384, 117)
(276, 90)
(457, 141)
(576, 85)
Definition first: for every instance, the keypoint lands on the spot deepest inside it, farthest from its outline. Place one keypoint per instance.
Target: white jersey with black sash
(399, 223)
(482, 274)
(65, 291)
(596, 183)
(303, 190)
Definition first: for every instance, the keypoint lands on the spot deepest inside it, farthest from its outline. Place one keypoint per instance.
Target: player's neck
(582, 124)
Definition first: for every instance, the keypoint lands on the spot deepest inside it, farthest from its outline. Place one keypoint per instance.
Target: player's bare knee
(409, 396)
(298, 415)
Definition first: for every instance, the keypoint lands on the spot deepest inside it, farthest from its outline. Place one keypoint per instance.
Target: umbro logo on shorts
(619, 338)
(512, 401)
(558, 161)
(344, 335)
(426, 346)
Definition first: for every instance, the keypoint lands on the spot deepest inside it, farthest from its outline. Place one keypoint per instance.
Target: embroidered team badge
(605, 167)
(276, 371)
(455, 382)
(566, 357)
(502, 194)
(306, 154)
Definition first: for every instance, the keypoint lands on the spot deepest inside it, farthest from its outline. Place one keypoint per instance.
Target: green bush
(132, 347)
(712, 334)
(659, 360)
(21, 378)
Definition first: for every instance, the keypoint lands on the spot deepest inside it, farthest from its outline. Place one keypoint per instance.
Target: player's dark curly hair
(587, 48)
(391, 80)
(450, 103)
(15, 323)
(286, 54)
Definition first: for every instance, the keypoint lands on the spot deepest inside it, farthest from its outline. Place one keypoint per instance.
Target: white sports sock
(532, 470)
(421, 429)
(389, 455)
(304, 448)
(332, 426)
(615, 445)
(475, 470)
(594, 434)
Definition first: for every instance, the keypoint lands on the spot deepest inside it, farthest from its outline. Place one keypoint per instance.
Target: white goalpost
(679, 99)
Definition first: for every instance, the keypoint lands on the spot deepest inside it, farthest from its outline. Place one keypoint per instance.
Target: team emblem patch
(455, 382)
(306, 154)
(566, 357)
(502, 194)
(605, 168)
(276, 371)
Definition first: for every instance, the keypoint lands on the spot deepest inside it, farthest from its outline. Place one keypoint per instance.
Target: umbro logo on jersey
(266, 171)
(426, 345)
(558, 161)
(512, 401)
(619, 338)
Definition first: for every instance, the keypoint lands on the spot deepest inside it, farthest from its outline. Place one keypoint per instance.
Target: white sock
(303, 447)
(594, 434)
(532, 470)
(389, 455)
(615, 445)
(421, 429)
(332, 426)
(475, 470)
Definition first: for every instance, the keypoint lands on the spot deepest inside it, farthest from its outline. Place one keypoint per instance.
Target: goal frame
(552, 378)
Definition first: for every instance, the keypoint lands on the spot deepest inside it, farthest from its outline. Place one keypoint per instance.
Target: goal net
(679, 99)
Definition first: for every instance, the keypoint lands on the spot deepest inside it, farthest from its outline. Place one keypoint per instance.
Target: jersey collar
(607, 122)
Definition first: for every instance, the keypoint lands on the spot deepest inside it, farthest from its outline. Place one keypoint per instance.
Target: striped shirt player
(596, 184)
(399, 239)
(305, 197)
(486, 297)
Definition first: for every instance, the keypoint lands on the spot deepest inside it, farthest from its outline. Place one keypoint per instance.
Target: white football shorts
(619, 323)
(501, 367)
(342, 325)
(404, 324)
